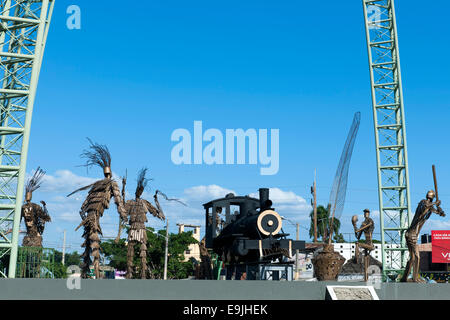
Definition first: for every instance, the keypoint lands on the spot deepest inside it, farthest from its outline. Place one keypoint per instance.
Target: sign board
(440, 246)
(305, 266)
(351, 293)
(120, 274)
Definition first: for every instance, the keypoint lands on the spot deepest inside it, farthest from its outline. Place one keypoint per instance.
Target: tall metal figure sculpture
(137, 211)
(423, 213)
(97, 200)
(367, 228)
(33, 214)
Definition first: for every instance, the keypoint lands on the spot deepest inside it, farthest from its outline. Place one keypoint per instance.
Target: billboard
(440, 246)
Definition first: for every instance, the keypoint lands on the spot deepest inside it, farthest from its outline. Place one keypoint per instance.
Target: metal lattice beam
(23, 31)
(390, 135)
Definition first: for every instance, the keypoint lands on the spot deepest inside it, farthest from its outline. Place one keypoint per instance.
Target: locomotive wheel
(269, 222)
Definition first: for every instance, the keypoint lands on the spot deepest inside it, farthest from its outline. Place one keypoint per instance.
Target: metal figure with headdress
(34, 215)
(97, 200)
(137, 210)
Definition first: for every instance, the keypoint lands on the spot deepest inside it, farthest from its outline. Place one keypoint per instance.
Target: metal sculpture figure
(367, 228)
(137, 211)
(97, 200)
(423, 213)
(33, 214)
(205, 264)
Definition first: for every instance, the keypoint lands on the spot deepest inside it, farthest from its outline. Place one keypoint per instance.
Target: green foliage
(116, 254)
(59, 270)
(4, 261)
(323, 226)
(70, 259)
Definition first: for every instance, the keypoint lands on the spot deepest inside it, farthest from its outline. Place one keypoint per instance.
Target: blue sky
(129, 78)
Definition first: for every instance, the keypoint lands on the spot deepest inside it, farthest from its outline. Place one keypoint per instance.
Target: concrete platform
(58, 289)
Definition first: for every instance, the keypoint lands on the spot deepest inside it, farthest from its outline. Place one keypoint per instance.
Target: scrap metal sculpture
(205, 264)
(97, 200)
(137, 211)
(339, 190)
(367, 228)
(423, 213)
(33, 214)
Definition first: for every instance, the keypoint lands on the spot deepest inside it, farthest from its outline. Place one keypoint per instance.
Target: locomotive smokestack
(264, 201)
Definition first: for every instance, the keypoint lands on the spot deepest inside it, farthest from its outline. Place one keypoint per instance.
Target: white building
(347, 250)
(194, 250)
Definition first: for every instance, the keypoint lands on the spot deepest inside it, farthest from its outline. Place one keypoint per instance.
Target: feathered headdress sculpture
(34, 183)
(141, 182)
(97, 154)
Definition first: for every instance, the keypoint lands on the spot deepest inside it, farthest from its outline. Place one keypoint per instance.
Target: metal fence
(35, 262)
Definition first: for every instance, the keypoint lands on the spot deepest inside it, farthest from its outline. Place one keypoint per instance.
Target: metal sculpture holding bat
(97, 200)
(423, 212)
(367, 228)
(136, 210)
(34, 215)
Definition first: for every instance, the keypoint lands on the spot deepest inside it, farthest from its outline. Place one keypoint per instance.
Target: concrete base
(58, 289)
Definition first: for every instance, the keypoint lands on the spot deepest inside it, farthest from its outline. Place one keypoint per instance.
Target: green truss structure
(390, 135)
(24, 27)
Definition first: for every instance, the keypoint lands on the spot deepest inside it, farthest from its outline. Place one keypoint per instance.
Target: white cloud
(69, 217)
(64, 181)
(435, 224)
(288, 204)
(206, 193)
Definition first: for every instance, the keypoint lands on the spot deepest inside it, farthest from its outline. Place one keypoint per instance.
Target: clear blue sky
(131, 76)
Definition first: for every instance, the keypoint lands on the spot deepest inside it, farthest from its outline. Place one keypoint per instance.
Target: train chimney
(264, 201)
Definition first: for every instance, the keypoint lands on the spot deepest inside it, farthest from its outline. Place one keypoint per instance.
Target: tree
(323, 225)
(70, 259)
(116, 254)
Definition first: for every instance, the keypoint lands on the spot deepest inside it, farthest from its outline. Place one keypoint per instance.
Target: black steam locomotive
(242, 229)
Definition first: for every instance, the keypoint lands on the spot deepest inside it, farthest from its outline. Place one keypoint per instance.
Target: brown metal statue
(423, 213)
(97, 200)
(205, 264)
(137, 211)
(367, 228)
(34, 215)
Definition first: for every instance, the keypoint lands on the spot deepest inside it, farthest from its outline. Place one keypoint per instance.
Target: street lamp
(166, 253)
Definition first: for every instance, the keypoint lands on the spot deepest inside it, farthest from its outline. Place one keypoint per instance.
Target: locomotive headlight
(269, 222)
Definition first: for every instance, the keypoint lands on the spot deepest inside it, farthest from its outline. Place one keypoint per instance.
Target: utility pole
(296, 251)
(313, 191)
(167, 249)
(64, 247)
